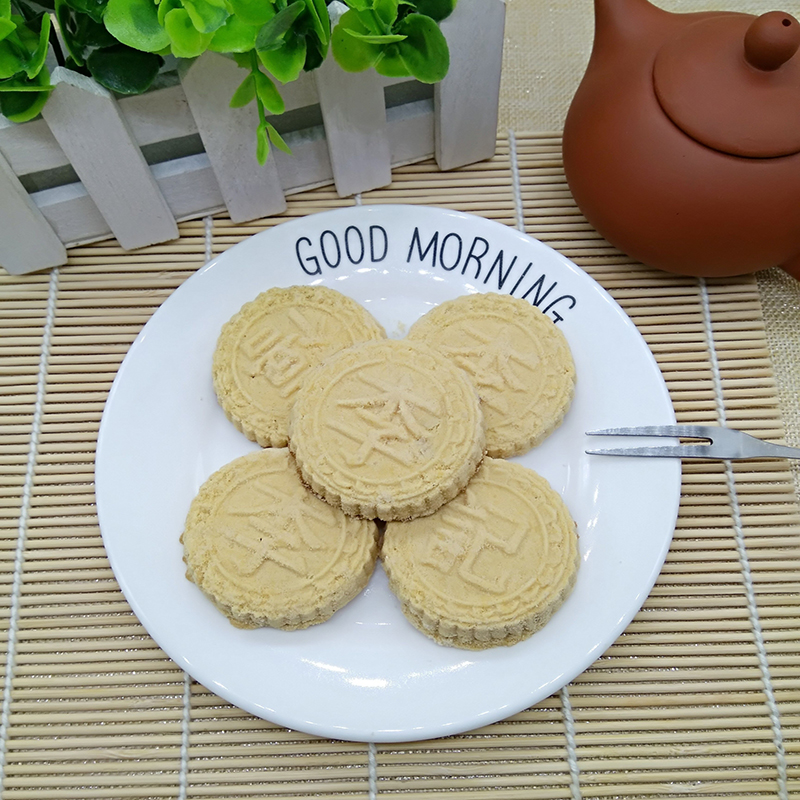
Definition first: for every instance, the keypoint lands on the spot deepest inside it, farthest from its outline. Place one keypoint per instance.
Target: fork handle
(772, 450)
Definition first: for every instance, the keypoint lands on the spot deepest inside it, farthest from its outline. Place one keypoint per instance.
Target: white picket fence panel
(345, 133)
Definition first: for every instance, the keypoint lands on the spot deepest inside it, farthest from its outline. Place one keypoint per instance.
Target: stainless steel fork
(724, 443)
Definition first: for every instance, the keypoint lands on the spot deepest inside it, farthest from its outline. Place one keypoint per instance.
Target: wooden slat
(466, 101)
(108, 161)
(34, 245)
(249, 189)
(354, 111)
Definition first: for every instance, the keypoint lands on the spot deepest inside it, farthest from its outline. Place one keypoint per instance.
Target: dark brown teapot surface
(682, 143)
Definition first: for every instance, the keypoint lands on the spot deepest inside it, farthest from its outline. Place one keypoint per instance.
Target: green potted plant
(121, 121)
(125, 44)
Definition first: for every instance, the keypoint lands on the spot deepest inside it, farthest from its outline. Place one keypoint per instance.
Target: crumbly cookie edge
(291, 622)
(477, 638)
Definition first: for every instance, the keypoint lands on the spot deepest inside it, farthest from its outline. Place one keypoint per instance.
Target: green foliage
(398, 39)
(136, 23)
(235, 36)
(93, 50)
(24, 78)
(122, 69)
(274, 30)
(120, 43)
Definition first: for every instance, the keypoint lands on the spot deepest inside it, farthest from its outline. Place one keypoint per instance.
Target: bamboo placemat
(699, 696)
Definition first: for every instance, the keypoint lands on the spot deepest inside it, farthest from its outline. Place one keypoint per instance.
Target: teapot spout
(622, 23)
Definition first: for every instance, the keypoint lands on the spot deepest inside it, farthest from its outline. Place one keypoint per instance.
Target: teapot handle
(771, 40)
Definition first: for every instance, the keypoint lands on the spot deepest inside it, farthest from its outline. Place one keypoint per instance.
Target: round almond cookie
(387, 429)
(517, 357)
(268, 552)
(265, 350)
(490, 567)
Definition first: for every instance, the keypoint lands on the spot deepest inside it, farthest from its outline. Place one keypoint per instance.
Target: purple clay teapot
(682, 143)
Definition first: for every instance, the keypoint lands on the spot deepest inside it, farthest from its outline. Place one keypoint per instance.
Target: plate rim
(445, 728)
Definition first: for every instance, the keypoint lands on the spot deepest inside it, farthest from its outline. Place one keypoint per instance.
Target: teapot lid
(732, 82)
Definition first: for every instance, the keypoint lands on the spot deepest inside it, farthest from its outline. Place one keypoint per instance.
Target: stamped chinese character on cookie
(519, 360)
(265, 351)
(387, 429)
(490, 567)
(270, 553)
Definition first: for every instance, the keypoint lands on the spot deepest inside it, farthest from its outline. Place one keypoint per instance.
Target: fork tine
(667, 451)
(688, 431)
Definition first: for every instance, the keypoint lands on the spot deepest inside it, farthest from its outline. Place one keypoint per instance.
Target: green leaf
(135, 23)
(6, 27)
(245, 94)
(67, 23)
(268, 94)
(5, 9)
(31, 8)
(92, 8)
(425, 51)
(164, 7)
(359, 5)
(253, 12)
(36, 63)
(124, 70)
(270, 34)
(185, 39)
(207, 16)
(390, 64)
(315, 53)
(386, 11)
(22, 106)
(352, 54)
(436, 9)
(373, 38)
(287, 62)
(14, 55)
(235, 36)
(11, 85)
(70, 63)
(28, 100)
(277, 139)
(244, 60)
(94, 34)
(25, 39)
(321, 22)
(262, 143)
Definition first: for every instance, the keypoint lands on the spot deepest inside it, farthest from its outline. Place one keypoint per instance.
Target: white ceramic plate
(366, 674)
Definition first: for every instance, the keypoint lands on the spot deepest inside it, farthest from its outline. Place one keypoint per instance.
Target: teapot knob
(771, 40)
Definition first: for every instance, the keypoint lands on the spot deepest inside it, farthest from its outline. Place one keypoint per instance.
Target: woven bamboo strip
(159, 790)
(121, 684)
(311, 769)
(519, 769)
(708, 727)
(518, 760)
(744, 781)
(511, 747)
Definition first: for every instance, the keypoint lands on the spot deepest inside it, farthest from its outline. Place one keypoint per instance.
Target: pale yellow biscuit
(265, 350)
(517, 357)
(387, 429)
(268, 552)
(490, 567)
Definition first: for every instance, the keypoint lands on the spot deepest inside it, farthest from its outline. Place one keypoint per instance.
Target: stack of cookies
(360, 430)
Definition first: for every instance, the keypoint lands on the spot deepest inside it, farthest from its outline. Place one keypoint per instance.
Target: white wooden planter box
(93, 167)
